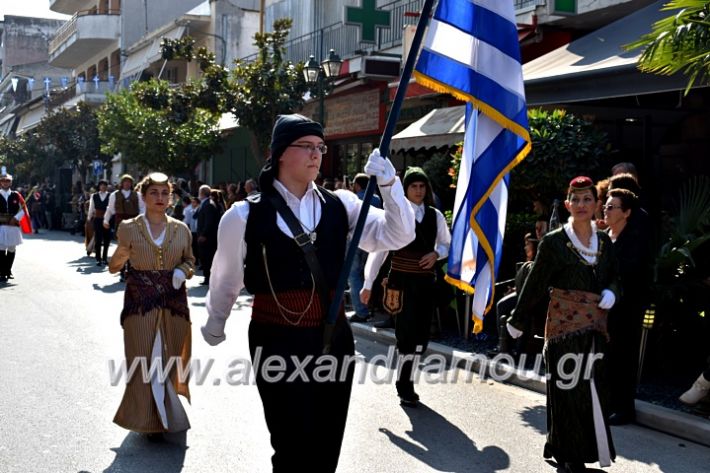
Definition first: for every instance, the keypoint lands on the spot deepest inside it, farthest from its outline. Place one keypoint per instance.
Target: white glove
(608, 299)
(213, 331)
(514, 332)
(178, 278)
(380, 167)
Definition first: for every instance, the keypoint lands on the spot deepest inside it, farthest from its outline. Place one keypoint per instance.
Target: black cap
(287, 129)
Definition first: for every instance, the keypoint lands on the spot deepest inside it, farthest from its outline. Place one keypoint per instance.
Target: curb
(669, 421)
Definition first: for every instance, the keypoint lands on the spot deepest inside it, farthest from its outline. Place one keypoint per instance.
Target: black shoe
(359, 318)
(621, 418)
(99, 262)
(3, 278)
(389, 323)
(155, 437)
(409, 400)
(575, 467)
(547, 451)
(10, 276)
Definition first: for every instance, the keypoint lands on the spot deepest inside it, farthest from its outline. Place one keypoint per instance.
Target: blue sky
(36, 8)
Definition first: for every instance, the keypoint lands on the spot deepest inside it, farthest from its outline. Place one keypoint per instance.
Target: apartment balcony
(91, 92)
(68, 7)
(343, 38)
(83, 37)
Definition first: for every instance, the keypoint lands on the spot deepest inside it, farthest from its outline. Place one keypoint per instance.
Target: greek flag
(471, 52)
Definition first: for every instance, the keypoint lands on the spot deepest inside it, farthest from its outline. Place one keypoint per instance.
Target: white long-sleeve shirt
(92, 207)
(188, 216)
(111, 210)
(386, 229)
(441, 246)
(6, 195)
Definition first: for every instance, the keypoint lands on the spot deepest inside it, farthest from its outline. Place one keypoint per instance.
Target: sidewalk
(660, 418)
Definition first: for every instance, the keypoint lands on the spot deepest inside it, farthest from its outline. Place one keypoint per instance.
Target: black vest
(287, 266)
(425, 236)
(100, 204)
(10, 206)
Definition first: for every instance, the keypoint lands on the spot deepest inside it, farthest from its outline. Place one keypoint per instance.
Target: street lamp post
(321, 76)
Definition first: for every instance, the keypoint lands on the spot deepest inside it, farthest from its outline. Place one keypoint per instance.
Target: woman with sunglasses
(576, 266)
(625, 319)
(155, 316)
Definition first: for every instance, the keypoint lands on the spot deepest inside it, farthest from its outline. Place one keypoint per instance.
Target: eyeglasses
(611, 207)
(322, 149)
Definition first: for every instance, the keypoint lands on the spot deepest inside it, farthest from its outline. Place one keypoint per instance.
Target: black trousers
(413, 323)
(102, 239)
(625, 326)
(6, 260)
(207, 251)
(306, 419)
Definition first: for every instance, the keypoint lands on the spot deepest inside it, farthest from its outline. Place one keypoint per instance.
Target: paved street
(60, 327)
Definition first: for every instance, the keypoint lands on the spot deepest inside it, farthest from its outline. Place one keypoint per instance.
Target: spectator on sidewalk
(626, 317)
(207, 215)
(699, 390)
(357, 271)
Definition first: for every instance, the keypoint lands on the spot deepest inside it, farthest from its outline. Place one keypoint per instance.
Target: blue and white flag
(471, 52)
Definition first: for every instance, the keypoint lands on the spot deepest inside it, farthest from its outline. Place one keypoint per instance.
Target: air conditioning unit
(380, 67)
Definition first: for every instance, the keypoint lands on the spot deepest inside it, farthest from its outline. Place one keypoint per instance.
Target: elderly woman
(576, 266)
(155, 316)
(625, 319)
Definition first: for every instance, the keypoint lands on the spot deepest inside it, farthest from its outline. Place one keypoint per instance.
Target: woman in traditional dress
(577, 267)
(155, 316)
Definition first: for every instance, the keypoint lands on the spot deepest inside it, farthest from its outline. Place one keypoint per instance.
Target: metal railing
(69, 28)
(343, 37)
(520, 4)
(77, 88)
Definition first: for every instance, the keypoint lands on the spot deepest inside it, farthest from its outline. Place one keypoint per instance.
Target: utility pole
(261, 17)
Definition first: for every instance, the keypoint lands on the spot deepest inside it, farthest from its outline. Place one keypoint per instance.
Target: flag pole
(384, 151)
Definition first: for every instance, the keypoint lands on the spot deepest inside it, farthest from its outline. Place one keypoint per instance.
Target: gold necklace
(281, 308)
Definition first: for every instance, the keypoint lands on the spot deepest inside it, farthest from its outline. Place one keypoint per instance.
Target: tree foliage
(63, 138)
(173, 128)
(563, 146)
(679, 43)
(157, 126)
(73, 137)
(268, 86)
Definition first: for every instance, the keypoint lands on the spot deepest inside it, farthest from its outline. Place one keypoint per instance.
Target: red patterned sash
(572, 311)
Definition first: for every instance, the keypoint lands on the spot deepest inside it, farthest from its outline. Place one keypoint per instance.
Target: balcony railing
(77, 88)
(69, 28)
(521, 4)
(343, 37)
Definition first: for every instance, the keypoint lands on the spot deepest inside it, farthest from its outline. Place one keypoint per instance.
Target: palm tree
(679, 43)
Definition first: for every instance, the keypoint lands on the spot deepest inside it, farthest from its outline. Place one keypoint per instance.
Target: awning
(597, 66)
(6, 124)
(141, 59)
(31, 119)
(438, 128)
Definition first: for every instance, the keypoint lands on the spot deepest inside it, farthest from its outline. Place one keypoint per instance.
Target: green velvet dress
(571, 433)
